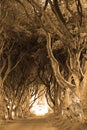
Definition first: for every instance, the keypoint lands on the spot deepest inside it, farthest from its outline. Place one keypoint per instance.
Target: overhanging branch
(55, 65)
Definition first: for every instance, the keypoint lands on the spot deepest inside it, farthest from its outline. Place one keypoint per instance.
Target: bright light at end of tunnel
(40, 107)
(40, 110)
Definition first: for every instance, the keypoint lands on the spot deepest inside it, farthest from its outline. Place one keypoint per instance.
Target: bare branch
(67, 7)
(19, 60)
(79, 9)
(55, 65)
(35, 98)
(3, 66)
(21, 3)
(8, 68)
(46, 3)
(19, 28)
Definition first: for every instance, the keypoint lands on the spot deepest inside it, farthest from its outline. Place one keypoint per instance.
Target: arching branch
(55, 65)
(79, 9)
(57, 9)
(46, 3)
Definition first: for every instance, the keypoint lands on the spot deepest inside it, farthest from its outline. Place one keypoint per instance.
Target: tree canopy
(44, 42)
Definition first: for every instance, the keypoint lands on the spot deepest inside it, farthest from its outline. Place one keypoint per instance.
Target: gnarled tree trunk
(74, 88)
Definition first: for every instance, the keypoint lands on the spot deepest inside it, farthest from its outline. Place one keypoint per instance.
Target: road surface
(29, 124)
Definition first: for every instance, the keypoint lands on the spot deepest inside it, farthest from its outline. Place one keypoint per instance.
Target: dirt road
(29, 124)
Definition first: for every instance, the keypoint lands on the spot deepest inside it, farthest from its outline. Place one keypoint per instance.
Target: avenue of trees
(43, 43)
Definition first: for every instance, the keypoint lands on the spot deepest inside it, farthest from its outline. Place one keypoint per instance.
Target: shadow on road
(29, 124)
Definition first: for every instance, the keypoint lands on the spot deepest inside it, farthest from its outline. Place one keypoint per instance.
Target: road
(29, 124)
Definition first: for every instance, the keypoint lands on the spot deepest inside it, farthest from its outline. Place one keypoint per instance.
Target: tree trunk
(81, 84)
(55, 66)
(84, 93)
(74, 64)
(56, 99)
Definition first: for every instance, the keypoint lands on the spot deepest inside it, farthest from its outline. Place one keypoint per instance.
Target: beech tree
(16, 88)
(69, 26)
(12, 47)
(63, 24)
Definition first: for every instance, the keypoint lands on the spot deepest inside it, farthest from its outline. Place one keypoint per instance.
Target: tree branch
(55, 65)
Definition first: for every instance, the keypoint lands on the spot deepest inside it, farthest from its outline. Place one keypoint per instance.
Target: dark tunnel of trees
(43, 43)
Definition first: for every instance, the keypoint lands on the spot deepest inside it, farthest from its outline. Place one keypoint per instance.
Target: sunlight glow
(40, 110)
(40, 107)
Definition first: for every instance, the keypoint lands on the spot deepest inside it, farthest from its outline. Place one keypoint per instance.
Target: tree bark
(55, 66)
